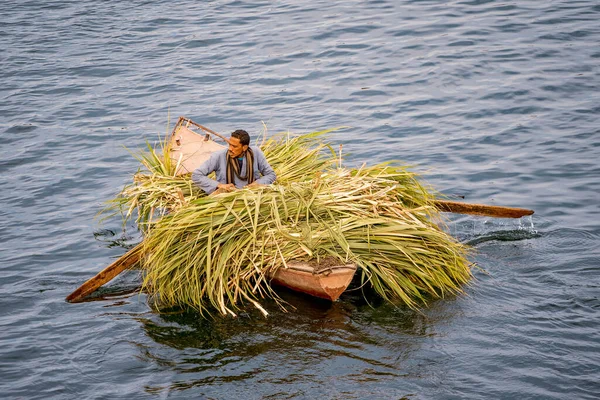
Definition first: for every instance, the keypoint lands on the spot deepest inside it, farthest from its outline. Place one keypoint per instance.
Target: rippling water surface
(495, 101)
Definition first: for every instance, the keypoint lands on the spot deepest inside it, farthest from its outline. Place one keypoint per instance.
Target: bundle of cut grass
(218, 252)
(157, 190)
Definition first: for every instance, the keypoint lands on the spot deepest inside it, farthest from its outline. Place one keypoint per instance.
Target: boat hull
(326, 283)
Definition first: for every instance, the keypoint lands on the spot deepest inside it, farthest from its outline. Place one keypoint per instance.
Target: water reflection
(359, 341)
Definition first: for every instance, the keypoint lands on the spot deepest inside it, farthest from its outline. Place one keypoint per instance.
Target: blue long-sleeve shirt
(217, 163)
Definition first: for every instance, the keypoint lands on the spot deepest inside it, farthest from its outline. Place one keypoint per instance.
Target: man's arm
(268, 175)
(200, 174)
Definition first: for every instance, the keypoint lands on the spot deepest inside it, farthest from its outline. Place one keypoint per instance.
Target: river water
(495, 101)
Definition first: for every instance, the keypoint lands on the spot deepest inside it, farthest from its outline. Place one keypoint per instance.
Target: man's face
(235, 147)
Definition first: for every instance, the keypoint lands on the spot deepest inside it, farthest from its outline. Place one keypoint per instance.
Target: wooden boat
(327, 281)
(190, 145)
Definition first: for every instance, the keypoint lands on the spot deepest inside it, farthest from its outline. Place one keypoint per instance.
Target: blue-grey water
(496, 101)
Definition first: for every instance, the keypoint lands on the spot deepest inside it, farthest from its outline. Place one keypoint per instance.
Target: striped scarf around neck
(233, 168)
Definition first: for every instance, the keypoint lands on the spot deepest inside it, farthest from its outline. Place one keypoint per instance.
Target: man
(239, 166)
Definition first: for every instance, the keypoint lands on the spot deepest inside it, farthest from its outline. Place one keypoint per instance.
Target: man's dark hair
(242, 136)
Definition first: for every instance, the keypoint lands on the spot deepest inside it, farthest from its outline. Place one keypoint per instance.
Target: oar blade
(481, 209)
(126, 261)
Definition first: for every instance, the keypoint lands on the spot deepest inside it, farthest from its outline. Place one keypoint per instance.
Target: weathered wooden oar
(481, 209)
(126, 261)
(130, 258)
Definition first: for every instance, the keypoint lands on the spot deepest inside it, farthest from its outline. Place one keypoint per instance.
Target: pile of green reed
(157, 191)
(217, 252)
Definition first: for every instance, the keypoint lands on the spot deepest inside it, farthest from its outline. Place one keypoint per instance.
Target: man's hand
(225, 187)
(253, 184)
